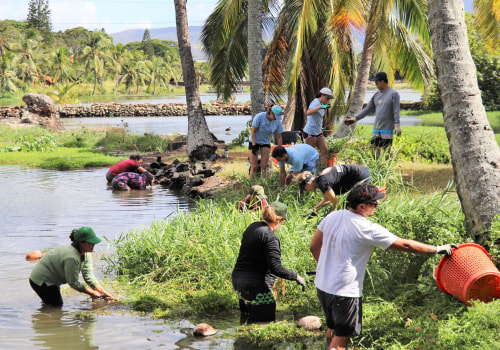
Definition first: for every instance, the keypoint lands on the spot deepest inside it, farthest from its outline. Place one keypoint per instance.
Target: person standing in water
(63, 265)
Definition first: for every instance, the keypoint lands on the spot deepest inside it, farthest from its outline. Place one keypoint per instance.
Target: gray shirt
(386, 106)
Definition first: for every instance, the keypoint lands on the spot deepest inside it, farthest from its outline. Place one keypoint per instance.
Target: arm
(411, 246)
(141, 170)
(254, 129)
(273, 259)
(282, 176)
(329, 197)
(313, 110)
(316, 244)
(395, 108)
(279, 138)
(369, 107)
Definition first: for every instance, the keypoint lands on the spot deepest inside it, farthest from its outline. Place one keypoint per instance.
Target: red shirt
(248, 204)
(125, 166)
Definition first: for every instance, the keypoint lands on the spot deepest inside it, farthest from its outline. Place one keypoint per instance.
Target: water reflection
(57, 329)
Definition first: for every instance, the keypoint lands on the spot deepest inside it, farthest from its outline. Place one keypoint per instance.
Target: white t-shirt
(348, 242)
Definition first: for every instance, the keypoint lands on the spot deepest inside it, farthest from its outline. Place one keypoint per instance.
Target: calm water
(38, 210)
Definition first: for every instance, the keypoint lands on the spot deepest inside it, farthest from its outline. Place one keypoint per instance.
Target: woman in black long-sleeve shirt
(258, 265)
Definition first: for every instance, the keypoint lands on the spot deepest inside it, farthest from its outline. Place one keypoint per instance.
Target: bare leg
(323, 152)
(339, 343)
(264, 160)
(254, 164)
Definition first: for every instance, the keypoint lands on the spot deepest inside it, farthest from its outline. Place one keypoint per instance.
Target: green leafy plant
(335, 145)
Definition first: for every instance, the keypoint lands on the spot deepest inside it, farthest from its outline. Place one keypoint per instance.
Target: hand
(302, 282)
(349, 121)
(397, 129)
(325, 106)
(446, 249)
(255, 149)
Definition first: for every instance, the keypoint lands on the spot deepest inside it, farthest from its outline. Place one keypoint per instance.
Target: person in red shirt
(132, 165)
(255, 200)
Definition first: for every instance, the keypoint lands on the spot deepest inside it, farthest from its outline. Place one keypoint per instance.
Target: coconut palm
(8, 35)
(200, 144)
(129, 72)
(255, 55)
(96, 54)
(157, 68)
(60, 65)
(475, 153)
(27, 51)
(8, 77)
(488, 19)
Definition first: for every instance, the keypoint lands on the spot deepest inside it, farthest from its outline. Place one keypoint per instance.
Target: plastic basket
(468, 274)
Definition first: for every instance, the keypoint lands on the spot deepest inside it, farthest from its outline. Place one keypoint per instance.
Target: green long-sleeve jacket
(63, 265)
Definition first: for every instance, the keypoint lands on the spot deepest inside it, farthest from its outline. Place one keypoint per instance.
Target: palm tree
(397, 36)
(60, 65)
(26, 53)
(96, 54)
(129, 71)
(200, 144)
(488, 19)
(157, 68)
(8, 35)
(474, 151)
(255, 55)
(8, 77)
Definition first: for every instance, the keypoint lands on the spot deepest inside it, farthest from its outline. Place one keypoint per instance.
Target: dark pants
(49, 294)
(256, 301)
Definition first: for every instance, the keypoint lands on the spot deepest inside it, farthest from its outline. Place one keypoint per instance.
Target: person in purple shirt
(132, 181)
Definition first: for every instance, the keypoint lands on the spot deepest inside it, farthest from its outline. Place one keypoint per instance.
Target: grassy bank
(181, 268)
(39, 147)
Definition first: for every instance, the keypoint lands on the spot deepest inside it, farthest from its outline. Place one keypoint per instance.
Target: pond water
(39, 208)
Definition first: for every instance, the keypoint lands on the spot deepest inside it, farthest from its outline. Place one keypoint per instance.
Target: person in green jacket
(63, 265)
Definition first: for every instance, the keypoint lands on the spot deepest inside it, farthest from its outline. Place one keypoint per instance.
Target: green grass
(60, 158)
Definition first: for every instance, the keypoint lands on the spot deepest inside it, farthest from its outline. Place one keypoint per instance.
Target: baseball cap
(326, 91)
(277, 110)
(304, 182)
(279, 208)
(86, 234)
(258, 191)
(379, 193)
(379, 76)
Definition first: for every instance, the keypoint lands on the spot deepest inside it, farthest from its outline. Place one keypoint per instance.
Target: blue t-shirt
(314, 123)
(265, 128)
(298, 156)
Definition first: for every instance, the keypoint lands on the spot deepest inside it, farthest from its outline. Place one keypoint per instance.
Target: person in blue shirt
(313, 130)
(301, 157)
(264, 125)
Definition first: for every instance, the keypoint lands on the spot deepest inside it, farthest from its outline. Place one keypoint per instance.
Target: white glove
(397, 129)
(302, 282)
(446, 249)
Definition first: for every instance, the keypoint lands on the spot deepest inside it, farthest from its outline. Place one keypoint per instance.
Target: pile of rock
(182, 175)
(149, 110)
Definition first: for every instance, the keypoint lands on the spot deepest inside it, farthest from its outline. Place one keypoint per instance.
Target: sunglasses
(375, 204)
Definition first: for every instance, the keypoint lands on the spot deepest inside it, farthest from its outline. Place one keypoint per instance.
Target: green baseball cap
(279, 208)
(86, 234)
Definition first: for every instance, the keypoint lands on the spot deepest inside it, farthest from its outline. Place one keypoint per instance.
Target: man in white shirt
(342, 246)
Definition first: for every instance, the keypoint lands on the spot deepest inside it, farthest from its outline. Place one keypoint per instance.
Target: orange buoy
(34, 255)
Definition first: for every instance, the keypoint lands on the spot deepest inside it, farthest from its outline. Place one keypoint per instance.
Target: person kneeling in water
(132, 181)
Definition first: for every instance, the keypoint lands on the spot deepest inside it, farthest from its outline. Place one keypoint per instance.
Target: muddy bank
(148, 110)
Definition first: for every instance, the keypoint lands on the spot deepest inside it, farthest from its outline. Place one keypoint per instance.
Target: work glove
(255, 149)
(397, 129)
(446, 249)
(325, 106)
(302, 282)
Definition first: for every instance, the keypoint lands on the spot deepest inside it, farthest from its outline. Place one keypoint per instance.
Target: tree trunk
(200, 145)
(255, 55)
(358, 95)
(474, 152)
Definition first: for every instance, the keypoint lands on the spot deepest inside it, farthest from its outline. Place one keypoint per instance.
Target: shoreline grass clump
(181, 267)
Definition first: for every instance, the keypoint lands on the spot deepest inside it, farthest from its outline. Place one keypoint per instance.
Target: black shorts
(306, 135)
(342, 314)
(256, 300)
(382, 143)
(260, 145)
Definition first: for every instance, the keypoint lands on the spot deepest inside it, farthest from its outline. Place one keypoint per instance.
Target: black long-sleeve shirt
(260, 256)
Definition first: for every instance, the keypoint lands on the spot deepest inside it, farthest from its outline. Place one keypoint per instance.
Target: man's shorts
(381, 143)
(342, 314)
(311, 166)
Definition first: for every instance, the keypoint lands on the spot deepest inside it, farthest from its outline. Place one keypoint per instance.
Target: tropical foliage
(79, 56)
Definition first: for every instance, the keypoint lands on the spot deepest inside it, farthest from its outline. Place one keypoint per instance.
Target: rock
(34, 255)
(309, 323)
(40, 104)
(204, 329)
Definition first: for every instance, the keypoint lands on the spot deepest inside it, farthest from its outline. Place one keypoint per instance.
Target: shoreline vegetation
(180, 267)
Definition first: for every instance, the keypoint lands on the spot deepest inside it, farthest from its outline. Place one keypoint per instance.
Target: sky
(118, 15)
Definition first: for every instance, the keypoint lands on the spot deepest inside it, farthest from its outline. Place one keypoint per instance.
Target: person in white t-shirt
(342, 246)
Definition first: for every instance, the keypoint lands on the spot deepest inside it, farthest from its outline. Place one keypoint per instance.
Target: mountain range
(170, 33)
